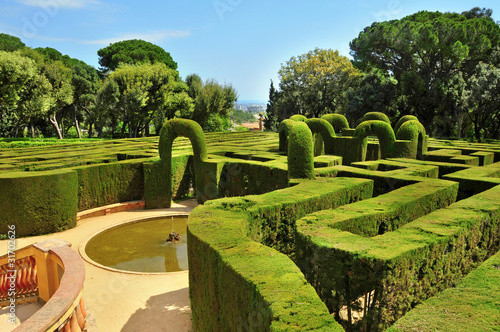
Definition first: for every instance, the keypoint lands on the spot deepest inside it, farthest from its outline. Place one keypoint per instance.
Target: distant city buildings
(251, 107)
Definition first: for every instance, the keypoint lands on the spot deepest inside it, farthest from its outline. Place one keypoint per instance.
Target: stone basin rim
(83, 254)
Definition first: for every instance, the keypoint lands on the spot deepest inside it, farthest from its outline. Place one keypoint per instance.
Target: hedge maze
(317, 227)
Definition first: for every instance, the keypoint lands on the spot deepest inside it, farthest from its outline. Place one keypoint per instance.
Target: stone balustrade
(48, 272)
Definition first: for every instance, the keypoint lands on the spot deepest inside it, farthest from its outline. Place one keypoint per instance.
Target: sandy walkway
(122, 301)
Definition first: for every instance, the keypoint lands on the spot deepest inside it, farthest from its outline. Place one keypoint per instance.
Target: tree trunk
(77, 125)
(91, 124)
(53, 120)
(32, 129)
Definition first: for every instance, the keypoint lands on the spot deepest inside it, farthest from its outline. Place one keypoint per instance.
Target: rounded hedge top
(376, 116)
(321, 126)
(184, 128)
(338, 121)
(409, 130)
(403, 120)
(284, 131)
(301, 152)
(382, 130)
(298, 117)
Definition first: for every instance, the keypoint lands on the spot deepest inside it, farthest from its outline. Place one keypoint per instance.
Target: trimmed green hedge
(158, 191)
(284, 131)
(377, 116)
(338, 121)
(239, 284)
(104, 184)
(301, 152)
(298, 117)
(397, 270)
(38, 203)
(473, 305)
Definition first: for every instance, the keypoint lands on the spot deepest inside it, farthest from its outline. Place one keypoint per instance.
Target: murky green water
(141, 246)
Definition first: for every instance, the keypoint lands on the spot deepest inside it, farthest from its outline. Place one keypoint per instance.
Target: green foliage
(402, 120)
(300, 152)
(133, 52)
(284, 132)
(260, 285)
(39, 203)
(240, 116)
(213, 103)
(382, 130)
(315, 83)
(183, 128)
(146, 93)
(298, 117)
(424, 52)
(271, 121)
(375, 92)
(370, 116)
(10, 43)
(472, 304)
(338, 121)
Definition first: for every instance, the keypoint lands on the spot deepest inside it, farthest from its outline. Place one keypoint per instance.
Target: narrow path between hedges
(123, 301)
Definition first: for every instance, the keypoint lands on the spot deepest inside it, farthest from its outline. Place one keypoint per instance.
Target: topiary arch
(382, 130)
(183, 128)
(338, 121)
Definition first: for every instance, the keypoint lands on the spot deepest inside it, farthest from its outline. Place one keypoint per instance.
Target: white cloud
(58, 3)
(152, 37)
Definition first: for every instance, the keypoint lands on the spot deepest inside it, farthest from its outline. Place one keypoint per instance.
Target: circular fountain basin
(141, 246)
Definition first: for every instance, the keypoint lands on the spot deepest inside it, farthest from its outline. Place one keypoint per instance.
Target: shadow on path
(164, 312)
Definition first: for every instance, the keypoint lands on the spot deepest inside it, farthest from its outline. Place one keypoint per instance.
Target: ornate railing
(49, 272)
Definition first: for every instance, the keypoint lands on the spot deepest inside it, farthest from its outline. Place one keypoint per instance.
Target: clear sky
(239, 42)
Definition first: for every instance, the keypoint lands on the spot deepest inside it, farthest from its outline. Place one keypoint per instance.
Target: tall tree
(316, 82)
(271, 121)
(213, 103)
(133, 52)
(144, 91)
(423, 52)
(10, 43)
(16, 72)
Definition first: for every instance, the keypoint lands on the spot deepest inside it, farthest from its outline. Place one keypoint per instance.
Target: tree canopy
(133, 52)
(316, 83)
(10, 43)
(423, 52)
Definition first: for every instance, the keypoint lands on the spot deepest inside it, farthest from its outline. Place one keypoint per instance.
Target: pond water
(142, 246)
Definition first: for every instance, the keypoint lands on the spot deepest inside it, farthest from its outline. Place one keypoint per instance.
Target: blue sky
(239, 42)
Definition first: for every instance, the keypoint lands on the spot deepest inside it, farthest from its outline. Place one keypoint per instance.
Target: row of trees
(137, 87)
(442, 67)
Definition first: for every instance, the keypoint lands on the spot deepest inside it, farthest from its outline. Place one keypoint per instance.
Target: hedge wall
(104, 184)
(472, 305)
(38, 203)
(397, 270)
(239, 284)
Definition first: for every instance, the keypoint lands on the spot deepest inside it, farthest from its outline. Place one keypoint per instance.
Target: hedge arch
(371, 116)
(298, 117)
(382, 130)
(338, 121)
(300, 152)
(403, 120)
(414, 131)
(326, 132)
(284, 131)
(183, 128)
